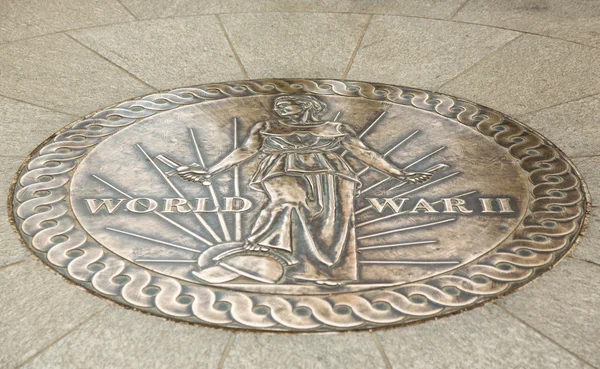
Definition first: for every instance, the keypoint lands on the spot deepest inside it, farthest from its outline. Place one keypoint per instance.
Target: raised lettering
(390, 201)
(487, 205)
(132, 205)
(201, 206)
(180, 204)
(109, 204)
(454, 205)
(423, 205)
(505, 205)
(231, 202)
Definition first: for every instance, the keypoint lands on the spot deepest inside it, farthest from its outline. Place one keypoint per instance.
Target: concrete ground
(537, 60)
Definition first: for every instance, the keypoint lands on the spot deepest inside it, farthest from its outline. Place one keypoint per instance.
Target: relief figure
(310, 188)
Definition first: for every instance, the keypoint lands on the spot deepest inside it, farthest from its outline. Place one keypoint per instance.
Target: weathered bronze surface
(299, 205)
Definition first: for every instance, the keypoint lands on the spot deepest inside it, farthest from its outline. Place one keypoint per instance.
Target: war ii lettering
(450, 205)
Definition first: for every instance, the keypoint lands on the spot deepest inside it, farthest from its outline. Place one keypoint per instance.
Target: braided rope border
(43, 218)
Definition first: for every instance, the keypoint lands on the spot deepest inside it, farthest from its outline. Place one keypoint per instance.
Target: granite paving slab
(167, 53)
(485, 337)
(422, 53)
(26, 19)
(119, 338)
(39, 308)
(268, 47)
(563, 305)
(530, 73)
(58, 73)
(575, 20)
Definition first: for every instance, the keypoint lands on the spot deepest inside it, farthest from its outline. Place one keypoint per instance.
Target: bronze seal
(299, 205)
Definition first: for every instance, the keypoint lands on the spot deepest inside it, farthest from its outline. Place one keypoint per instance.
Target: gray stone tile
(8, 169)
(11, 249)
(422, 52)
(294, 44)
(589, 167)
(26, 126)
(58, 73)
(166, 8)
(23, 127)
(563, 305)
(572, 126)
(25, 19)
(39, 307)
(530, 73)
(575, 20)
(120, 338)
(486, 337)
(315, 351)
(589, 246)
(167, 53)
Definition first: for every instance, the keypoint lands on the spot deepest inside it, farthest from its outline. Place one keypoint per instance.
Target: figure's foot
(255, 247)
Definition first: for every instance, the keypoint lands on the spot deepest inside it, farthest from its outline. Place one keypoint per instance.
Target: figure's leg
(328, 253)
(274, 226)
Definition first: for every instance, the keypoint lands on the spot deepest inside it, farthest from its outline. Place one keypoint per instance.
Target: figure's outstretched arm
(373, 159)
(247, 150)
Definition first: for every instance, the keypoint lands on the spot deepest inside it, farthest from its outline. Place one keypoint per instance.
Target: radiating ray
(396, 245)
(385, 155)
(211, 189)
(198, 216)
(366, 130)
(424, 225)
(411, 191)
(412, 262)
(164, 261)
(372, 125)
(197, 236)
(236, 184)
(406, 211)
(423, 158)
(406, 167)
(154, 240)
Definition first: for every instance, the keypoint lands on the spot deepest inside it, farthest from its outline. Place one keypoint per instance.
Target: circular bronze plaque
(299, 205)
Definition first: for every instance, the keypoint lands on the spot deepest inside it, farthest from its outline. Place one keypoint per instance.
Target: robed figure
(310, 187)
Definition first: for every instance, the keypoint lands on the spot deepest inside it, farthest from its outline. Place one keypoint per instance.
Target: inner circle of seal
(43, 217)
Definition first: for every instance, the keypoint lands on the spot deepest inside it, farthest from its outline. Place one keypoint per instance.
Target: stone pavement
(537, 60)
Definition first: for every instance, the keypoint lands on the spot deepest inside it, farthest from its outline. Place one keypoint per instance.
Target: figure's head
(299, 106)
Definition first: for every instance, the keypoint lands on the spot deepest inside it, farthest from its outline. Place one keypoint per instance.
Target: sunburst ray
(397, 230)
(178, 192)
(412, 190)
(172, 222)
(236, 184)
(165, 261)
(161, 242)
(211, 188)
(364, 132)
(387, 153)
(404, 244)
(411, 262)
(362, 224)
(406, 167)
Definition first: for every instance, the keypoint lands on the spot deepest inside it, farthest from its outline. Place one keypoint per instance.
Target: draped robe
(311, 188)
